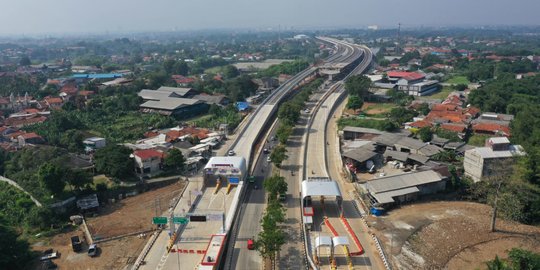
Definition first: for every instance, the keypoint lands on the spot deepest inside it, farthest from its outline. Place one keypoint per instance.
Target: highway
(322, 140)
(251, 210)
(195, 236)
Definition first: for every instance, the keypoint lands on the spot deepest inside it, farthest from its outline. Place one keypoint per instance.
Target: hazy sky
(58, 16)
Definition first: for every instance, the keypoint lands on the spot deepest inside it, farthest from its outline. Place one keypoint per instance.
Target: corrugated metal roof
(388, 139)
(487, 152)
(401, 156)
(402, 181)
(360, 154)
(410, 143)
(387, 197)
(362, 130)
(169, 104)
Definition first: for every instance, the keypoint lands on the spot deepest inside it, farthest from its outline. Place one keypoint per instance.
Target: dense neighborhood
(437, 118)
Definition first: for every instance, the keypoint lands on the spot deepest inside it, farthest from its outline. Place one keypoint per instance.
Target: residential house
(148, 161)
(29, 138)
(493, 160)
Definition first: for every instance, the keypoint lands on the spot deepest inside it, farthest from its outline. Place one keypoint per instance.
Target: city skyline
(63, 16)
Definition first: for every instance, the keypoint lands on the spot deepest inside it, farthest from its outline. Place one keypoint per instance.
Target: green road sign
(159, 220)
(180, 220)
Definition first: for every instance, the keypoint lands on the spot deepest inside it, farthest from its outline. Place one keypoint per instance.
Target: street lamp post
(224, 210)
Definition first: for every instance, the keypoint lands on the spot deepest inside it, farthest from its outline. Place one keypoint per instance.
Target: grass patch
(383, 125)
(442, 94)
(478, 139)
(99, 179)
(386, 107)
(214, 70)
(458, 80)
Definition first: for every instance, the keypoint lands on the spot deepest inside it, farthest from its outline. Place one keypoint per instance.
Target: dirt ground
(449, 235)
(125, 216)
(133, 214)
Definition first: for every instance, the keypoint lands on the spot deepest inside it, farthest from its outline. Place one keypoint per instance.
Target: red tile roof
(491, 128)
(86, 93)
(30, 135)
(454, 128)
(421, 124)
(411, 76)
(148, 153)
(54, 100)
(17, 122)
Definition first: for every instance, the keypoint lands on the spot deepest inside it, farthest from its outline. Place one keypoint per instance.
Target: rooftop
(387, 187)
(170, 104)
(487, 152)
(320, 187)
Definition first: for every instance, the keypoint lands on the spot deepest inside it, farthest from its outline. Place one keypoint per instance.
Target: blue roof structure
(97, 76)
(242, 106)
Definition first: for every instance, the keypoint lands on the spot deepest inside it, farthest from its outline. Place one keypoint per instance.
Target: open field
(458, 80)
(125, 216)
(449, 235)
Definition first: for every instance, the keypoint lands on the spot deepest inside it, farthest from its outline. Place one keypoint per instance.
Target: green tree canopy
(355, 102)
(52, 177)
(114, 160)
(278, 155)
(174, 160)
(14, 252)
(358, 85)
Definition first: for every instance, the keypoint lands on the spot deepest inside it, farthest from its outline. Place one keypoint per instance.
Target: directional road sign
(159, 220)
(180, 220)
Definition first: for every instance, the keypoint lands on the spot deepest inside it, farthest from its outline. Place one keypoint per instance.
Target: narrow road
(13, 183)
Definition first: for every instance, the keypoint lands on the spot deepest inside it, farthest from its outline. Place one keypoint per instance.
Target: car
(250, 244)
(231, 153)
(266, 151)
(92, 250)
(306, 110)
(268, 159)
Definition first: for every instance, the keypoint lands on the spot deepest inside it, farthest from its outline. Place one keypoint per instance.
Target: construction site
(121, 229)
(449, 235)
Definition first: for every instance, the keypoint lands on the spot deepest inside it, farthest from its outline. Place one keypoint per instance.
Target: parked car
(92, 250)
(231, 153)
(266, 151)
(250, 244)
(268, 159)
(76, 243)
(49, 254)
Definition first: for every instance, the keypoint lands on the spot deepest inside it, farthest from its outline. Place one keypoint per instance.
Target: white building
(93, 143)
(492, 159)
(231, 167)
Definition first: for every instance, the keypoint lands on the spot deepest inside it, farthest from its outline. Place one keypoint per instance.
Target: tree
(278, 155)
(114, 160)
(174, 160)
(14, 253)
(430, 59)
(497, 264)
(52, 177)
(272, 237)
(77, 179)
(230, 71)
(423, 109)
(355, 102)
(358, 85)
(275, 185)
(25, 61)
(283, 133)
(425, 134)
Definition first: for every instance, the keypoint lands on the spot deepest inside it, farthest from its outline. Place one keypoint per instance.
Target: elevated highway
(321, 160)
(250, 212)
(191, 237)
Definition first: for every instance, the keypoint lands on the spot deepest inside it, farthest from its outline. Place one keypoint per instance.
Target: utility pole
(398, 48)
